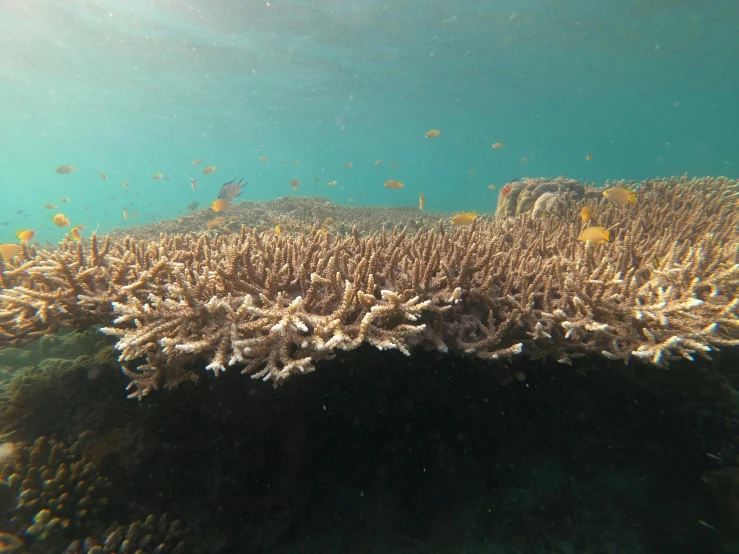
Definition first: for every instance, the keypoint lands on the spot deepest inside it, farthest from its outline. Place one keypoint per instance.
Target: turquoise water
(136, 88)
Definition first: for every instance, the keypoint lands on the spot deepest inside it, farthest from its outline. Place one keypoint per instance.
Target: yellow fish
(587, 213)
(219, 205)
(60, 221)
(76, 232)
(497, 145)
(10, 251)
(197, 162)
(421, 201)
(262, 158)
(595, 235)
(208, 170)
(378, 162)
(393, 184)
(25, 234)
(433, 133)
(157, 176)
(491, 187)
(465, 218)
(278, 231)
(620, 196)
(64, 169)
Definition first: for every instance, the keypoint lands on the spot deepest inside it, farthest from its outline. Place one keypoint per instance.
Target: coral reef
(537, 194)
(665, 288)
(294, 214)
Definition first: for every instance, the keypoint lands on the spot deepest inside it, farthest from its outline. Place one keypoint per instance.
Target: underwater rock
(521, 196)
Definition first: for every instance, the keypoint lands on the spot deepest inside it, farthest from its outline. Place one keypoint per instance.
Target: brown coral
(277, 305)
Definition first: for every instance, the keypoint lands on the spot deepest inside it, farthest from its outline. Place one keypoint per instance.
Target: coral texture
(665, 287)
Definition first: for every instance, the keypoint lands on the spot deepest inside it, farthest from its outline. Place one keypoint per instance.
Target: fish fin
(607, 235)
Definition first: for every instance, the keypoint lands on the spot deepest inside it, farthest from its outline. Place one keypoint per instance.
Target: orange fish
(64, 169)
(393, 184)
(262, 158)
(25, 234)
(103, 176)
(197, 162)
(348, 164)
(421, 201)
(433, 133)
(278, 231)
(76, 232)
(506, 189)
(208, 170)
(60, 221)
(50, 206)
(294, 183)
(10, 251)
(378, 162)
(219, 205)
(497, 145)
(588, 156)
(157, 176)
(465, 218)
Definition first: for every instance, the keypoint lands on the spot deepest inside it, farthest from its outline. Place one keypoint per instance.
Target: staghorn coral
(277, 305)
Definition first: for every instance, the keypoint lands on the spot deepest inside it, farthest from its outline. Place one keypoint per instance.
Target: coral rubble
(666, 287)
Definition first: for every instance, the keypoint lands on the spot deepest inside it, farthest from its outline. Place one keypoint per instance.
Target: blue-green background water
(134, 88)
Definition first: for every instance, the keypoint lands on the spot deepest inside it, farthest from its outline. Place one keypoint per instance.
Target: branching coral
(665, 287)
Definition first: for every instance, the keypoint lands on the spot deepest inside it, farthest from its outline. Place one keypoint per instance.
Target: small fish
(492, 187)
(192, 206)
(157, 176)
(433, 133)
(103, 176)
(124, 184)
(706, 525)
(497, 145)
(263, 158)
(295, 183)
(25, 235)
(197, 162)
(620, 196)
(64, 200)
(595, 235)
(464, 218)
(421, 201)
(471, 172)
(229, 191)
(219, 205)
(278, 231)
(193, 184)
(64, 169)
(208, 170)
(657, 261)
(393, 184)
(315, 179)
(296, 162)
(348, 164)
(506, 189)
(76, 232)
(588, 156)
(50, 206)
(587, 213)
(10, 251)
(125, 215)
(332, 183)
(60, 221)
(378, 162)
(351, 200)
(394, 164)
(524, 160)
(328, 221)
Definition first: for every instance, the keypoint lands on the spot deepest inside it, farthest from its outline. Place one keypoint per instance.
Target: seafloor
(375, 452)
